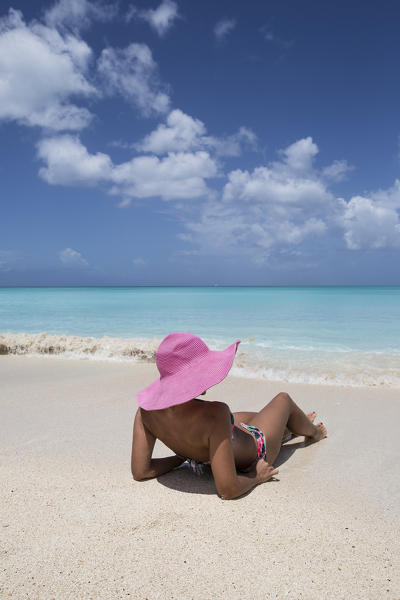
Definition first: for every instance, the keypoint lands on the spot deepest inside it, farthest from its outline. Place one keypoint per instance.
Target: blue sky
(183, 142)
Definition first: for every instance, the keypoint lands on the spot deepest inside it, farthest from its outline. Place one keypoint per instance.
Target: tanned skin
(202, 430)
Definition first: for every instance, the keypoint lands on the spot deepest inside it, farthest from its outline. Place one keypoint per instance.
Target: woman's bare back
(186, 428)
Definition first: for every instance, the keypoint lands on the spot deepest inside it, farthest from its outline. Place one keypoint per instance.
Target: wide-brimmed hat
(187, 368)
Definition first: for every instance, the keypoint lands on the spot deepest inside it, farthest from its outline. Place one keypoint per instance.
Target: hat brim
(189, 383)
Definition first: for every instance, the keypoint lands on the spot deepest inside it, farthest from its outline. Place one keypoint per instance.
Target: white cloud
(259, 212)
(69, 163)
(266, 186)
(337, 171)
(371, 221)
(287, 185)
(60, 118)
(78, 14)
(230, 230)
(223, 28)
(183, 132)
(72, 258)
(299, 156)
(232, 145)
(160, 19)
(370, 225)
(40, 70)
(132, 72)
(276, 206)
(389, 198)
(43, 66)
(180, 175)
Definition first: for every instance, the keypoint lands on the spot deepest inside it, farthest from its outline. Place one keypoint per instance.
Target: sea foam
(76, 347)
(324, 368)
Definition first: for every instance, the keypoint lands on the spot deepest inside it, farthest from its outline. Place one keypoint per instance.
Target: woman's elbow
(137, 474)
(227, 493)
(226, 496)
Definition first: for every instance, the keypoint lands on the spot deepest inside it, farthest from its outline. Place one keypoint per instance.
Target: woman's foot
(311, 416)
(320, 433)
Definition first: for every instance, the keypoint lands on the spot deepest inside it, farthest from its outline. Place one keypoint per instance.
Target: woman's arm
(228, 482)
(142, 465)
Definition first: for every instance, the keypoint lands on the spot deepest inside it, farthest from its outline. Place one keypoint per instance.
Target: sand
(75, 525)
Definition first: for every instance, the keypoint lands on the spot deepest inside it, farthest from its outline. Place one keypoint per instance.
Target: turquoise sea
(332, 335)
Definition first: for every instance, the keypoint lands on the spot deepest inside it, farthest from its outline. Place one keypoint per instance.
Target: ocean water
(325, 335)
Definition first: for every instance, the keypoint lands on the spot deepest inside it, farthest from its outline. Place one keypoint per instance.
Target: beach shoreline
(75, 524)
(343, 336)
(254, 359)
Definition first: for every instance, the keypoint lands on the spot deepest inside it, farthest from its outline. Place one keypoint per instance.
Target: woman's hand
(265, 471)
(229, 483)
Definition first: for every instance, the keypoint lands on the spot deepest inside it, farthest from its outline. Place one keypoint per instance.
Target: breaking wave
(76, 347)
(355, 369)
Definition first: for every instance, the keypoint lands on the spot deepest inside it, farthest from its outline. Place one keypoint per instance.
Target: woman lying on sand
(207, 432)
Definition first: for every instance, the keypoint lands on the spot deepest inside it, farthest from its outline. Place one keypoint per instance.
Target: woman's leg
(280, 413)
(244, 417)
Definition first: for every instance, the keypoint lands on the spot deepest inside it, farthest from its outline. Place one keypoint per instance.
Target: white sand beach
(75, 525)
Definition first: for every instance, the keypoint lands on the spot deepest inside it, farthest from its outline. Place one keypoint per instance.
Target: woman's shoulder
(217, 409)
(220, 405)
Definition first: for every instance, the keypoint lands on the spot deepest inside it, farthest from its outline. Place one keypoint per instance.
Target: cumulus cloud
(78, 14)
(132, 73)
(288, 183)
(72, 258)
(288, 202)
(181, 132)
(389, 198)
(298, 157)
(160, 19)
(271, 208)
(274, 206)
(223, 28)
(232, 230)
(273, 188)
(370, 224)
(179, 175)
(45, 67)
(40, 70)
(69, 163)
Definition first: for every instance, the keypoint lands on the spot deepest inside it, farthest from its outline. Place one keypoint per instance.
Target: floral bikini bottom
(260, 440)
(258, 435)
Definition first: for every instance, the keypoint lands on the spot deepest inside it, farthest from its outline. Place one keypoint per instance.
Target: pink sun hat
(187, 368)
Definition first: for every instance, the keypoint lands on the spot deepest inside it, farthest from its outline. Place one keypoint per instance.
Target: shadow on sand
(286, 451)
(183, 479)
